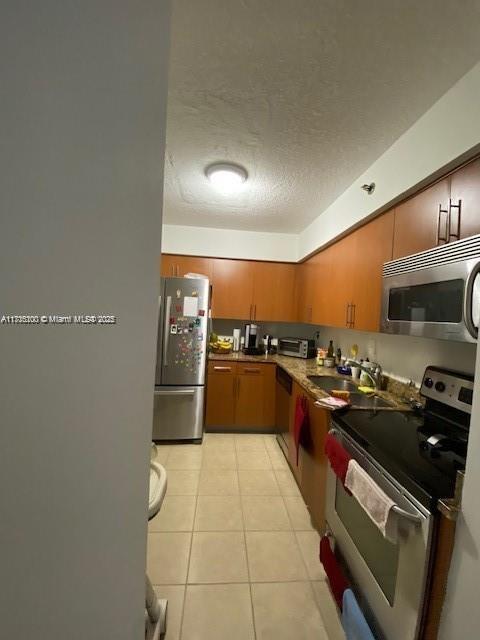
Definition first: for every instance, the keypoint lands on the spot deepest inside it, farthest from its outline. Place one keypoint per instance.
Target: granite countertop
(299, 369)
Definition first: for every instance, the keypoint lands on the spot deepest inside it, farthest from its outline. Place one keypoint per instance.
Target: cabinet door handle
(439, 237)
(458, 207)
(255, 312)
(354, 310)
(347, 317)
(222, 368)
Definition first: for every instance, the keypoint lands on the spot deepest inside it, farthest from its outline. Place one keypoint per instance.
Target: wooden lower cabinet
(296, 466)
(221, 386)
(315, 465)
(311, 470)
(240, 396)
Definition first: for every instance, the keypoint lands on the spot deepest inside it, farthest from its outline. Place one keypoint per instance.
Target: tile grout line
(318, 606)
(206, 584)
(245, 543)
(240, 497)
(180, 631)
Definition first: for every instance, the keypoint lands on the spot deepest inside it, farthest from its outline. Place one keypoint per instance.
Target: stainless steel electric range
(414, 458)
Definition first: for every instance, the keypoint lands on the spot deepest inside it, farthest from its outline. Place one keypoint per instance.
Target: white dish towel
(375, 502)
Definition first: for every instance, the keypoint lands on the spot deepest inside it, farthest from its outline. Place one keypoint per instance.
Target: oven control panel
(449, 387)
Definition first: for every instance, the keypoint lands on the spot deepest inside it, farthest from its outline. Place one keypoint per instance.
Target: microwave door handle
(468, 301)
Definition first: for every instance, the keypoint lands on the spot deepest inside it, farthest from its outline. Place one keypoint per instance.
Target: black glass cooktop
(422, 453)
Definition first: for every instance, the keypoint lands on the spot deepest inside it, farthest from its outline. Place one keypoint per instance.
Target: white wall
(449, 129)
(461, 614)
(83, 123)
(229, 243)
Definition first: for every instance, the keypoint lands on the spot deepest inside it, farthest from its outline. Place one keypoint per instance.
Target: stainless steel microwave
(435, 293)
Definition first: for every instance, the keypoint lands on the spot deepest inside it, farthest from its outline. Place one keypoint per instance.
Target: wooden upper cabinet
(465, 186)
(418, 225)
(339, 287)
(305, 285)
(232, 294)
(167, 265)
(274, 291)
(374, 247)
(175, 265)
(320, 266)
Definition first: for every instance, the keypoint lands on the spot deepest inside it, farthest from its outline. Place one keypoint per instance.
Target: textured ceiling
(306, 94)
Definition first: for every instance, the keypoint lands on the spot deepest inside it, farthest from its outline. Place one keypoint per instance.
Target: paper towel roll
(236, 339)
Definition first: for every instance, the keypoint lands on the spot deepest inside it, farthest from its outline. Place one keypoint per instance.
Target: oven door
(390, 579)
(437, 302)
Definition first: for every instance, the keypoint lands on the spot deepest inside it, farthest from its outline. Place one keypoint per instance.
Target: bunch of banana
(219, 346)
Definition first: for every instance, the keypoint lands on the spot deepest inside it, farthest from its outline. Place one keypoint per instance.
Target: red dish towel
(301, 425)
(338, 457)
(338, 582)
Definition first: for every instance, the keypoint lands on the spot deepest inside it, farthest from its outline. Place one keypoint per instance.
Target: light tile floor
(233, 548)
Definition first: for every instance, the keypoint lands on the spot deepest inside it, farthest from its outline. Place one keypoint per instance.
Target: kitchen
(254, 384)
(282, 292)
(266, 425)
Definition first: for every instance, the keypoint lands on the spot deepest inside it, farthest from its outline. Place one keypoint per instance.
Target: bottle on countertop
(338, 360)
(331, 351)
(320, 356)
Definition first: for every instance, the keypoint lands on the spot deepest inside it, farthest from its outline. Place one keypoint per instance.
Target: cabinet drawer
(252, 369)
(222, 366)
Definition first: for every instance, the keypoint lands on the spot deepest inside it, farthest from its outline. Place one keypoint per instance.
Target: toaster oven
(297, 347)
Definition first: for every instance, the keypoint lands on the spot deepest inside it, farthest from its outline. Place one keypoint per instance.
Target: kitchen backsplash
(404, 357)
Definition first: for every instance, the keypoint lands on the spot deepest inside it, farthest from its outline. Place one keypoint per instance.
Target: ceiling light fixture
(226, 177)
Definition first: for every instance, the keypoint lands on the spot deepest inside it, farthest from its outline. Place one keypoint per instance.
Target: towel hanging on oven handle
(411, 517)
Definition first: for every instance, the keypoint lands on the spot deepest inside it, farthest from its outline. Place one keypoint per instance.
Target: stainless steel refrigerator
(179, 395)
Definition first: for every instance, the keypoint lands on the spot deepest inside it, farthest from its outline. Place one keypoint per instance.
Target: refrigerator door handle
(166, 330)
(174, 392)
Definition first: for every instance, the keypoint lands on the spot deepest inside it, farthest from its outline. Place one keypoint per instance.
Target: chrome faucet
(375, 376)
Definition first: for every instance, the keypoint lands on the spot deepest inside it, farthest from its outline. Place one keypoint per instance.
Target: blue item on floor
(353, 621)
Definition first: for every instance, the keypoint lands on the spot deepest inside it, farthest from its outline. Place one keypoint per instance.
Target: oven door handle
(411, 517)
(408, 516)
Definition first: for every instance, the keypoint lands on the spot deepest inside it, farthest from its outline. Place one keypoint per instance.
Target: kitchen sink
(329, 383)
(357, 399)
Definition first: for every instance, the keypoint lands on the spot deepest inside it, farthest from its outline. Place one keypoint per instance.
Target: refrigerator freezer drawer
(178, 413)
